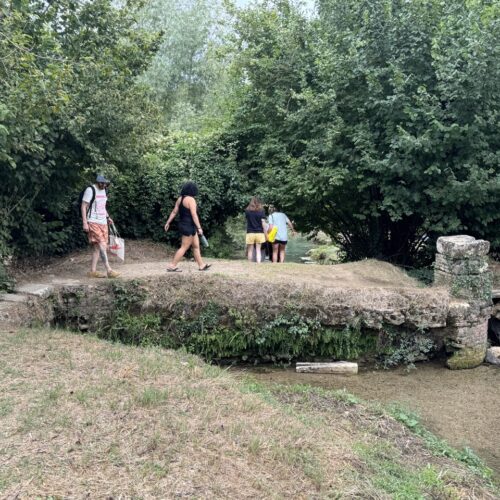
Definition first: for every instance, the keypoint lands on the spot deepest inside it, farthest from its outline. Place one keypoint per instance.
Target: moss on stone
(469, 357)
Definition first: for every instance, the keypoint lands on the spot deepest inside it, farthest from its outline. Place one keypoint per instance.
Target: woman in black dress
(189, 227)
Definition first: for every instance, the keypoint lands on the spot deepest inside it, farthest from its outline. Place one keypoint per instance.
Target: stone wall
(462, 267)
(416, 309)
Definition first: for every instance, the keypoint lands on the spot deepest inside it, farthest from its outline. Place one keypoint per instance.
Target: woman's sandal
(174, 270)
(206, 268)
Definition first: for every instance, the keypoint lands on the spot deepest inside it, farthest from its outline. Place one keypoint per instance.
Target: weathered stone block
(37, 289)
(337, 367)
(493, 355)
(462, 246)
(472, 265)
(469, 357)
(13, 297)
(464, 313)
(462, 337)
(471, 287)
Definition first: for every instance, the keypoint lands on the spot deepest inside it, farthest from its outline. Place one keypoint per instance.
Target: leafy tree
(69, 106)
(375, 122)
(190, 62)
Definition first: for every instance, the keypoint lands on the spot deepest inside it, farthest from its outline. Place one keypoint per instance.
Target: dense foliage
(143, 199)
(373, 120)
(377, 122)
(69, 107)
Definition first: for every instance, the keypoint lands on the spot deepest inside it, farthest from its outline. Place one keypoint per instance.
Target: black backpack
(80, 200)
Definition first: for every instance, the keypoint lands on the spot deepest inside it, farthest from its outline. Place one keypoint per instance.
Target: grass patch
(438, 446)
(6, 406)
(87, 395)
(148, 422)
(151, 396)
(401, 483)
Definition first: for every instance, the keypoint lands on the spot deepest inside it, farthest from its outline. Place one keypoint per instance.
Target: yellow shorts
(253, 238)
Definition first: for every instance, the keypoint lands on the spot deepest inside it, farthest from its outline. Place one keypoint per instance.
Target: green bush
(70, 106)
(6, 283)
(325, 254)
(222, 245)
(376, 121)
(143, 199)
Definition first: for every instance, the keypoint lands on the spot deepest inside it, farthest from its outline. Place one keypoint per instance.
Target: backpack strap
(89, 209)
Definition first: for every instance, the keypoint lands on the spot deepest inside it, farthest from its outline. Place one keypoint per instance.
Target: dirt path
(145, 259)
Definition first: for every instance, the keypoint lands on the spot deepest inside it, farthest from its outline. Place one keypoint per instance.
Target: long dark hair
(189, 189)
(255, 205)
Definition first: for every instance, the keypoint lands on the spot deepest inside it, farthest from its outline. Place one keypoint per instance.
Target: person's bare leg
(186, 242)
(95, 257)
(282, 253)
(250, 253)
(275, 253)
(258, 253)
(103, 253)
(197, 252)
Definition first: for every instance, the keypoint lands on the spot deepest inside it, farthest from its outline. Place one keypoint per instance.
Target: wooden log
(338, 367)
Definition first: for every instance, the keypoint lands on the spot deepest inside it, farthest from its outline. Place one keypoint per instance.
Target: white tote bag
(116, 244)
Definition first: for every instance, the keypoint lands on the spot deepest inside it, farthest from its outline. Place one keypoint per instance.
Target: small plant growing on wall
(404, 347)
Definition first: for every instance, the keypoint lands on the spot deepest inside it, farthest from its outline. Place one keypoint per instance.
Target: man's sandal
(206, 267)
(95, 274)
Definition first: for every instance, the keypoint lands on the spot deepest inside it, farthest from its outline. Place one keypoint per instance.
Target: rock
(462, 313)
(493, 355)
(36, 289)
(337, 367)
(13, 297)
(462, 246)
(63, 281)
(468, 357)
(13, 314)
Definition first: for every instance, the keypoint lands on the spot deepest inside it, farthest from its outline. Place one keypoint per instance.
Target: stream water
(462, 406)
(297, 247)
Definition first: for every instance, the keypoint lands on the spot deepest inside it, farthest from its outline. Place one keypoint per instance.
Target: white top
(98, 213)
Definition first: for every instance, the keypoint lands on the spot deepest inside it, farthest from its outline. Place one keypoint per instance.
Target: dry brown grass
(82, 418)
(147, 259)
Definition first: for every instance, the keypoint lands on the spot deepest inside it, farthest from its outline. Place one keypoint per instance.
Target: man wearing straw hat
(95, 223)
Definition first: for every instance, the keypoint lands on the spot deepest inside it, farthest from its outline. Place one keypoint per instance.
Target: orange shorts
(98, 233)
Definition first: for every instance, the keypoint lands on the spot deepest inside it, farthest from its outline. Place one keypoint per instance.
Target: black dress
(186, 222)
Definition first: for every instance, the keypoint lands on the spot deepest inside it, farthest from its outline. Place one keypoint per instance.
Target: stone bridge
(455, 311)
